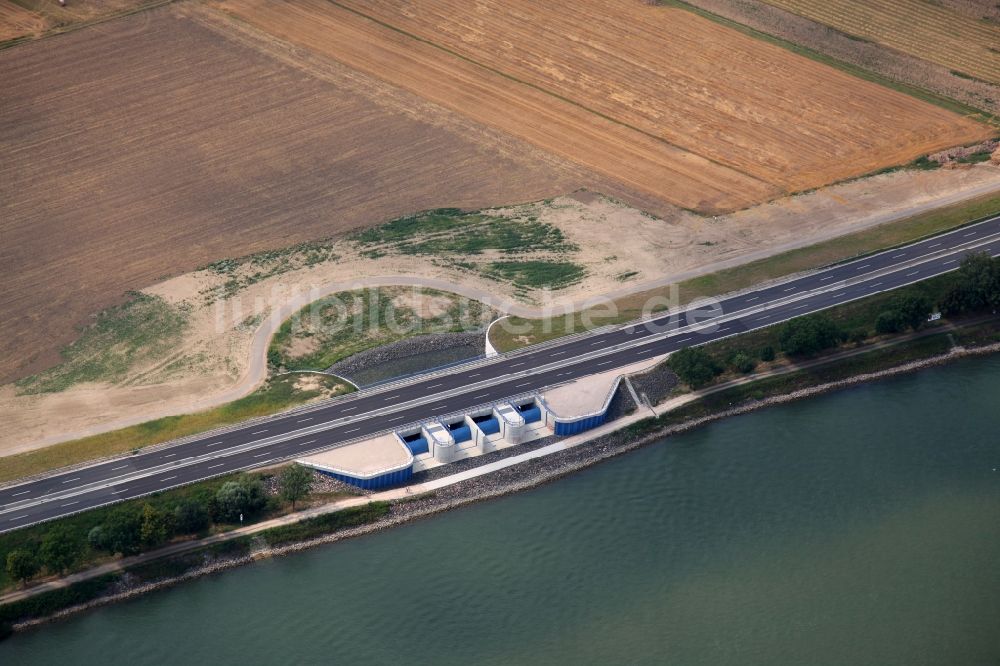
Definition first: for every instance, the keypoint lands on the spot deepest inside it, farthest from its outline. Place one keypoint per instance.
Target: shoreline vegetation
(734, 398)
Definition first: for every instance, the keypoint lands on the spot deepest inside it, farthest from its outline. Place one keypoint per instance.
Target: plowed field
(130, 154)
(678, 106)
(920, 28)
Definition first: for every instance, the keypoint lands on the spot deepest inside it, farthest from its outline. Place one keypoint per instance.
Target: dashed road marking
(912, 274)
(169, 455)
(124, 466)
(261, 455)
(858, 268)
(76, 478)
(352, 430)
(934, 245)
(70, 503)
(304, 420)
(485, 395)
(827, 277)
(213, 444)
(259, 432)
(603, 363)
(434, 386)
(18, 517)
(168, 478)
(214, 466)
(23, 492)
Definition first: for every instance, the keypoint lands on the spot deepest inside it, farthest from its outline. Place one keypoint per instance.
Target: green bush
(742, 362)
(244, 497)
(890, 321)
(767, 354)
(807, 336)
(694, 366)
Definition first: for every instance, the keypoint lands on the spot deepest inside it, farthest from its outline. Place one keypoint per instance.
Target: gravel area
(656, 383)
(363, 367)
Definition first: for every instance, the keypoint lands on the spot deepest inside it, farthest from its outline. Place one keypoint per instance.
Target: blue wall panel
(418, 446)
(383, 481)
(532, 415)
(573, 427)
(489, 426)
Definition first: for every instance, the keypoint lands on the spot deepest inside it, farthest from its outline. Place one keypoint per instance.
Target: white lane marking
(259, 432)
(75, 478)
(558, 353)
(433, 386)
(517, 365)
(935, 245)
(950, 261)
(596, 342)
(390, 397)
(23, 492)
(168, 478)
(523, 384)
(843, 293)
(311, 441)
(912, 274)
(349, 409)
(897, 256)
(119, 467)
(352, 430)
(304, 420)
(261, 455)
(858, 268)
(754, 298)
(169, 455)
(762, 318)
(18, 517)
(604, 363)
(684, 339)
(214, 466)
(971, 233)
(475, 375)
(398, 418)
(213, 444)
(70, 503)
(485, 395)
(790, 289)
(799, 307)
(827, 277)
(642, 351)
(876, 284)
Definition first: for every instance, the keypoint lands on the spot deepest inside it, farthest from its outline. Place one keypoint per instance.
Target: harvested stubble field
(681, 107)
(922, 28)
(130, 154)
(34, 18)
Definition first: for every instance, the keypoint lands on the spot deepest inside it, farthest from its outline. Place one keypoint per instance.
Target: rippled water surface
(861, 527)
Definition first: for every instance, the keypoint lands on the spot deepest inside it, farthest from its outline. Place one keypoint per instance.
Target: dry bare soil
(676, 105)
(153, 144)
(34, 18)
(963, 38)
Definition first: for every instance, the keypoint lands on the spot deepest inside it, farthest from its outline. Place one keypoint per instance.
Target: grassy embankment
(276, 395)
(343, 324)
(518, 249)
(523, 332)
(860, 72)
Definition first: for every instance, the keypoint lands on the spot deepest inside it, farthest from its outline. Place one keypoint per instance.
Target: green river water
(861, 527)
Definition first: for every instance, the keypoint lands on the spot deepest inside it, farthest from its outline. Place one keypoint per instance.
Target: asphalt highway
(460, 388)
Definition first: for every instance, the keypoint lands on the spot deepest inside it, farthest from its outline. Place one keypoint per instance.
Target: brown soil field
(16, 21)
(579, 77)
(872, 56)
(132, 154)
(33, 18)
(946, 35)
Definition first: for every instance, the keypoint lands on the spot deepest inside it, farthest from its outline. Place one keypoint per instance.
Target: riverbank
(515, 473)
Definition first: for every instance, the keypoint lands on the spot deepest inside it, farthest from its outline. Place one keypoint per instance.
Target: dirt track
(151, 145)
(683, 108)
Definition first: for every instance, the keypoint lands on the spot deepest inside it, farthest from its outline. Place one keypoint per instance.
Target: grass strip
(522, 332)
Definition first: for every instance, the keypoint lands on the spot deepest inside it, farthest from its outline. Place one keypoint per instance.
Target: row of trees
(975, 288)
(130, 528)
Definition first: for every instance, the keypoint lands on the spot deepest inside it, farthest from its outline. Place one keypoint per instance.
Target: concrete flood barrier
(391, 459)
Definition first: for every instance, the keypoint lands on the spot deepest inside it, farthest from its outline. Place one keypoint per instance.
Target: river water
(861, 527)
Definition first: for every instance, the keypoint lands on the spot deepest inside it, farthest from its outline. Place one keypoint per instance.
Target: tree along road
(456, 389)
